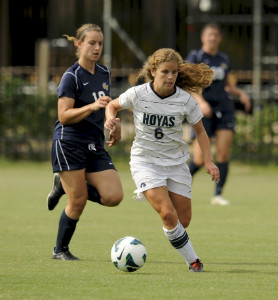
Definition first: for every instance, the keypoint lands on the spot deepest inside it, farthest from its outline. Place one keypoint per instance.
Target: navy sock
(193, 168)
(223, 170)
(93, 194)
(66, 229)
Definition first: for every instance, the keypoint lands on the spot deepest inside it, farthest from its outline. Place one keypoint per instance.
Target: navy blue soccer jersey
(215, 94)
(85, 88)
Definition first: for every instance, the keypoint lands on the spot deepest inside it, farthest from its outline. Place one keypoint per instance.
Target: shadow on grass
(210, 265)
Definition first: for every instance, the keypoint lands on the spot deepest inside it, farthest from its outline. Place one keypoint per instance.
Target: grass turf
(238, 244)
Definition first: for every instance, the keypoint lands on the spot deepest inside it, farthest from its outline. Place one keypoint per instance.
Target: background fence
(27, 119)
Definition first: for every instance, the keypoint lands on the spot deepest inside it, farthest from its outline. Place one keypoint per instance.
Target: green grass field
(238, 244)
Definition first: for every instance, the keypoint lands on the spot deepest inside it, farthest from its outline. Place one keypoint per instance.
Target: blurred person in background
(217, 107)
(159, 154)
(83, 169)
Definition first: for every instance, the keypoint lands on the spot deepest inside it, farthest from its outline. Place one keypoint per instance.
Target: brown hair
(81, 34)
(191, 77)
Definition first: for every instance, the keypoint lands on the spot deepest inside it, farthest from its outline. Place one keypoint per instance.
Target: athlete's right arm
(67, 114)
(111, 111)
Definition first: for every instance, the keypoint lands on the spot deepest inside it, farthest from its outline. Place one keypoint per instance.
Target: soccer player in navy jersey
(218, 110)
(78, 155)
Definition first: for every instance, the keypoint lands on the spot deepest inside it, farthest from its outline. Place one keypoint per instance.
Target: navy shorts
(69, 155)
(219, 120)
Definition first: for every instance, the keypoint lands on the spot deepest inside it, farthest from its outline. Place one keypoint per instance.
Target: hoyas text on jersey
(158, 120)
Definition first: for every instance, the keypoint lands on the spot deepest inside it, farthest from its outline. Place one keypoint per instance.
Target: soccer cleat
(64, 255)
(196, 266)
(56, 193)
(219, 200)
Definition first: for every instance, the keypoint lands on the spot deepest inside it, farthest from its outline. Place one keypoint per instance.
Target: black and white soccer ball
(128, 254)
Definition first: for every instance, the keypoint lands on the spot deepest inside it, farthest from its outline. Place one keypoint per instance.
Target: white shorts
(146, 176)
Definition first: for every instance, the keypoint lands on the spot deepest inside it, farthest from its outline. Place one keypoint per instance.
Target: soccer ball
(128, 254)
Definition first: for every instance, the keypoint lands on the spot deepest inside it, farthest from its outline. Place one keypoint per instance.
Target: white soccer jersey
(158, 124)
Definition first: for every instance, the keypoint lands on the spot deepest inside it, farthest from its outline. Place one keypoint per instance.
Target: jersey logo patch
(219, 73)
(105, 86)
(92, 147)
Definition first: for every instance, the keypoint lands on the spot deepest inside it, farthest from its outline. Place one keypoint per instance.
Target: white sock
(179, 239)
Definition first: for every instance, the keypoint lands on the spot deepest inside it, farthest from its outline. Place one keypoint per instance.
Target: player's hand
(114, 135)
(100, 103)
(206, 109)
(213, 170)
(111, 123)
(245, 100)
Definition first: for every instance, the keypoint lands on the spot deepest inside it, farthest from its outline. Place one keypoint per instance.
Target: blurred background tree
(34, 55)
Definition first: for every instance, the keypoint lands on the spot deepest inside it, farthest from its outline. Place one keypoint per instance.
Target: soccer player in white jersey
(159, 154)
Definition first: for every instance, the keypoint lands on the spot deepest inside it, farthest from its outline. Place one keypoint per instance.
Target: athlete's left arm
(110, 113)
(233, 90)
(112, 123)
(204, 144)
(114, 135)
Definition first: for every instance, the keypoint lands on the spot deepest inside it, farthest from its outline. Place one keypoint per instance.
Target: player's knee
(198, 161)
(168, 216)
(185, 221)
(76, 205)
(112, 199)
(222, 156)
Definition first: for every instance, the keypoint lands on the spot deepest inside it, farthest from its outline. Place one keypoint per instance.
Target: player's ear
(153, 72)
(79, 44)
